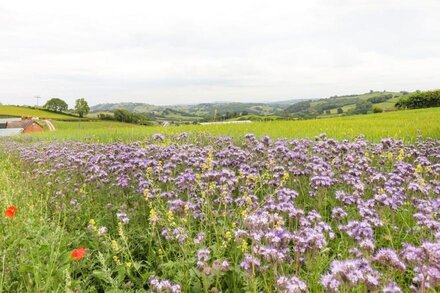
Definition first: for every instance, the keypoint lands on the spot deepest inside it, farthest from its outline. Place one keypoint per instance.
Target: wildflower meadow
(185, 213)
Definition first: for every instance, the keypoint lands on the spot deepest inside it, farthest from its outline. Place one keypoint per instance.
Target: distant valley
(298, 108)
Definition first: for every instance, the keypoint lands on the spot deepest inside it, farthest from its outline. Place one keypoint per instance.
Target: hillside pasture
(400, 124)
(17, 111)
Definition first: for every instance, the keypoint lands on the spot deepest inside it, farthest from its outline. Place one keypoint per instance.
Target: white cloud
(166, 52)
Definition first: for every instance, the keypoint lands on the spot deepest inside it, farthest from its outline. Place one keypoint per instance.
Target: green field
(344, 108)
(254, 117)
(17, 111)
(400, 124)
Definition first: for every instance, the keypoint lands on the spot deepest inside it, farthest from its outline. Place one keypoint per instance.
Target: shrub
(377, 110)
(420, 100)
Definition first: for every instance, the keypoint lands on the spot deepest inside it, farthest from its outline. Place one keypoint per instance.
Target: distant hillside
(198, 111)
(132, 107)
(287, 102)
(301, 108)
(381, 101)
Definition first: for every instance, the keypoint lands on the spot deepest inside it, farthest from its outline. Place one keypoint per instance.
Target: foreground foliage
(207, 215)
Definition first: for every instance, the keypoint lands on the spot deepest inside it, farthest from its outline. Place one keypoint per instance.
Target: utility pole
(37, 97)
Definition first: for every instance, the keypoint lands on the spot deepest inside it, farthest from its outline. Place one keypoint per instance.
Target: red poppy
(78, 254)
(10, 212)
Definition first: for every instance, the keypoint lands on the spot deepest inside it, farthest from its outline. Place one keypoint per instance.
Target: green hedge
(419, 100)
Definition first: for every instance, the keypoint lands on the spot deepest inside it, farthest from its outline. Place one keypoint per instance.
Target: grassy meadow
(400, 124)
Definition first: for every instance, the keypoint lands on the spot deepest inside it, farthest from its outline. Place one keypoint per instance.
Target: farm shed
(10, 131)
(4, 121)
(28, 125)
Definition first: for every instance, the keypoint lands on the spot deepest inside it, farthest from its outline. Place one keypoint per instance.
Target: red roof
(20, 124)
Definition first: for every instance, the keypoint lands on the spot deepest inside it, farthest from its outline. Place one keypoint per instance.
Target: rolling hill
(18, 111)
(382, 101)
(197, 111)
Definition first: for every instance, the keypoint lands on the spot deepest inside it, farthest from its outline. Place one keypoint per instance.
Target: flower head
(78, 254)
(10, 212)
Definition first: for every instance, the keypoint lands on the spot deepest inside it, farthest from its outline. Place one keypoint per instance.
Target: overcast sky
(185, 51)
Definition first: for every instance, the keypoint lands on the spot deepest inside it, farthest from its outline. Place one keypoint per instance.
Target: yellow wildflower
(146, 194)
(170, 216)
(244, 246)
(153, 217)
(115, 245)
(116, 259)
(228, 235)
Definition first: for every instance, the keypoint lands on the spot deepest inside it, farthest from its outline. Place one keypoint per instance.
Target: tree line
(122, 115)
(58, 105)
(420, 100)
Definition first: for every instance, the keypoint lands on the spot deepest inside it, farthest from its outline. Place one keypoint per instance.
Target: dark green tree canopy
(81, 107)
(56, 104)
(362, 107)
(419, 100)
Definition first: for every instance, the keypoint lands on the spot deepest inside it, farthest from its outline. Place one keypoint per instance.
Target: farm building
(28, 125)
(14, 126)
(10, 131)
(4, 121)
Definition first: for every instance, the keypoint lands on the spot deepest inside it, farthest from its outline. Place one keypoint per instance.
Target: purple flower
(102, 230)
(163, 286)
(391, 288)
(290, 285)
(220, 265)
(389, 257)
(203, 254)
(338, 213)
(123, 218)
(199, 238)
(250, 264)
(351, 273)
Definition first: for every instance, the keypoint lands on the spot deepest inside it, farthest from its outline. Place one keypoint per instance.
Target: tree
(362, 107)
(128, 117)
(81, 107)
(123, 115)
(420, 100)
(340, 111)
(56, 104)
